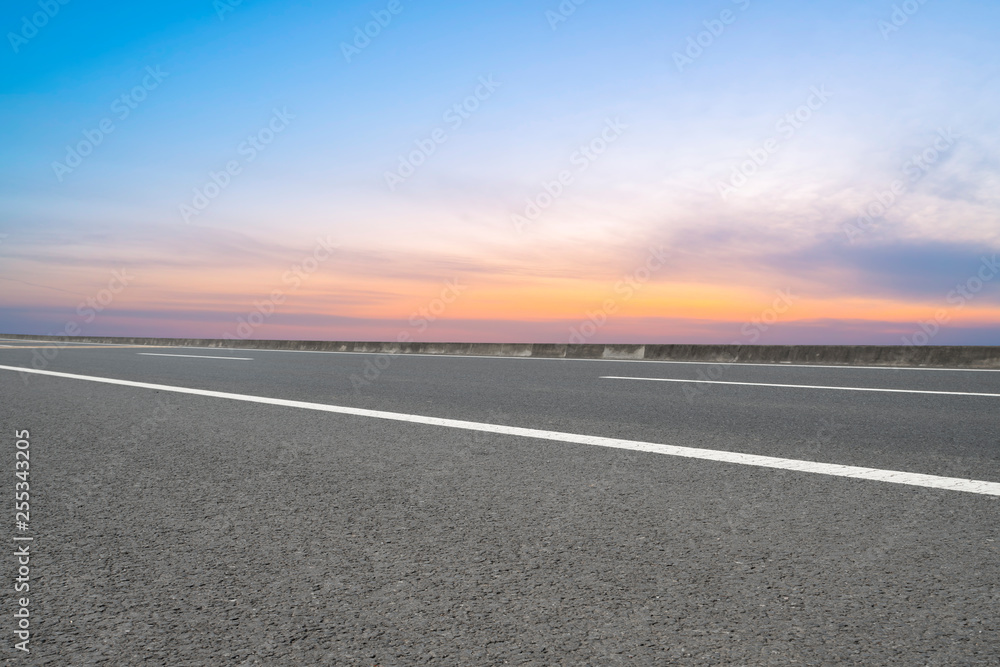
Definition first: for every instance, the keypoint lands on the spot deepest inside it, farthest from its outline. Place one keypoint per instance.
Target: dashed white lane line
(804, 386)
(192, 356)
(833, 469)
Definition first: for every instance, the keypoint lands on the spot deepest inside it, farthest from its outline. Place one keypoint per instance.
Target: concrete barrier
(938, 356)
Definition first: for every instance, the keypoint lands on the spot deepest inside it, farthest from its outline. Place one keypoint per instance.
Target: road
(282, 508)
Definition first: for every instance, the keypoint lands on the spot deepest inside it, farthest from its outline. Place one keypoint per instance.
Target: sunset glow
(493, 173)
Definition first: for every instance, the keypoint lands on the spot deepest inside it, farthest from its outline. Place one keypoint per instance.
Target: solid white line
(833, 469)
(192, 356)
(804, 386)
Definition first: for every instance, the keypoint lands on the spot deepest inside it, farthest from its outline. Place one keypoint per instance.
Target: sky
(730, 171)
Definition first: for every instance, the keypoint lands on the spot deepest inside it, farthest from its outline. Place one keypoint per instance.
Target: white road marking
(193, 356)
(833, 469)
(780, 364)
(63, 342)
(803, 386)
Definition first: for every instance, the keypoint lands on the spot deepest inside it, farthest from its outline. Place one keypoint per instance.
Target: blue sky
(889, 88)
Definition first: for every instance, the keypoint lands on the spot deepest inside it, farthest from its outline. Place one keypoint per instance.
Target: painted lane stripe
(805, 386)
(832, 469)
(193, 356)
(781, 364)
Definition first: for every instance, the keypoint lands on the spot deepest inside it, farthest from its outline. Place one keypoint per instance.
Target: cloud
(910, 270)
(828, 265)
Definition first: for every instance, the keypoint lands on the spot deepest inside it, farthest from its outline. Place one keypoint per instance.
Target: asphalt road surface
(253, 507)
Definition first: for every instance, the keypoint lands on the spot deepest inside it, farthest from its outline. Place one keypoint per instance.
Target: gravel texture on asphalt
(184, 530)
